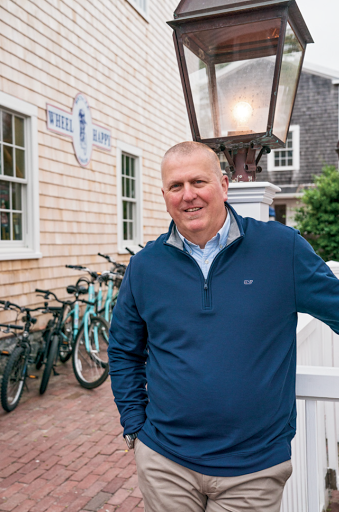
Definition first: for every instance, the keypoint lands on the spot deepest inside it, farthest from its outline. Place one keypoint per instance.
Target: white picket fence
(315, 447)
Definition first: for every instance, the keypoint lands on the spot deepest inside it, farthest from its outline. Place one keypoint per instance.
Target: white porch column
(252, 199)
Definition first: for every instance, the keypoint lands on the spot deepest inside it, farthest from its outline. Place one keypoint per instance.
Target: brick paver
(64, 451)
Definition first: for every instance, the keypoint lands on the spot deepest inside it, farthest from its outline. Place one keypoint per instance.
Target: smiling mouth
(193, 209)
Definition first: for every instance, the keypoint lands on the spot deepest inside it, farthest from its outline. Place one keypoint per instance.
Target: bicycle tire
(91, 368)
(15, 372)
(51, 357)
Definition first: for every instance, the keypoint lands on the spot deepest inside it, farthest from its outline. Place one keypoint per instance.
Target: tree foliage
(318, 218)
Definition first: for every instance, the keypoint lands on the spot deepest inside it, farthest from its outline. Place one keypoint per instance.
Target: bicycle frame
(90, 311)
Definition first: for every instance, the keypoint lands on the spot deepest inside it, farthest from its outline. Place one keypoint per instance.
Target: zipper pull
(205, 286)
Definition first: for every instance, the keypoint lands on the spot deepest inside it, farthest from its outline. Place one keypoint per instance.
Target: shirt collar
(221, 236)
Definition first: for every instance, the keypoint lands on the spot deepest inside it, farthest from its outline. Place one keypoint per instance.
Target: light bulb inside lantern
(242, 112)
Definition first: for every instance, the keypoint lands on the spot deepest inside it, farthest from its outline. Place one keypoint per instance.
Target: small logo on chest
(248, 281)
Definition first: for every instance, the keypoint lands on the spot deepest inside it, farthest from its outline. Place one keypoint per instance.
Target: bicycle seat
(81, 290)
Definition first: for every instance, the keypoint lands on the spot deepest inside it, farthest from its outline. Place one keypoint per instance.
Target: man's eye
(176, 185)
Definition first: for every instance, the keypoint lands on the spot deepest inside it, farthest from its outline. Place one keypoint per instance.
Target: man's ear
(163, 192)
(225, 185)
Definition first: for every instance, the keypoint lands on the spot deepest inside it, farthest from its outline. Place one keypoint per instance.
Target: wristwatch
(130, 438)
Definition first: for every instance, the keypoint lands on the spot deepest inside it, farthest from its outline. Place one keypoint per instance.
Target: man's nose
(189, 193)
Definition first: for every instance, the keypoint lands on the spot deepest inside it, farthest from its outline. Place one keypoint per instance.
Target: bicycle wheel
(91, 366)
(13, 379)
(65, 350)
(51, 359)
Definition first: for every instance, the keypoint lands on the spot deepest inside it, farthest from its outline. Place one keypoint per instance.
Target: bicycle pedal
(32, 376)
(55, 372)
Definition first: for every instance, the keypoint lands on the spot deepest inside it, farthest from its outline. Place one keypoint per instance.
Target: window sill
(21, 253)
(287, 168)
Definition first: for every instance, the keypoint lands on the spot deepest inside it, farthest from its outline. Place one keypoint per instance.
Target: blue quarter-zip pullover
(218, 355)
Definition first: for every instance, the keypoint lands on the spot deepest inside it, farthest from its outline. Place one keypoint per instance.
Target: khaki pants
(169, 487)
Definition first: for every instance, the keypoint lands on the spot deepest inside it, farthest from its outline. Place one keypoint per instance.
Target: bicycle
(16, 369)
(113, 280)
(51, 335)
(89, 356)
(70, 324)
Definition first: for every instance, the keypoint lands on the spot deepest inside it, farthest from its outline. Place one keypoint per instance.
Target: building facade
(90, 99)
(311, 143)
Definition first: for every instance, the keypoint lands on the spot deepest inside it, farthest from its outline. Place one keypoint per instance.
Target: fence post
(313, 495)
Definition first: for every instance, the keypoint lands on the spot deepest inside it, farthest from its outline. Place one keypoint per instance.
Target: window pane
(133, 188)
(124, 210)
(8, 160)
(131, 230)
(7, 128)
(290, 161)
(5, 225)
(20, 163)
(19, 132)
(130, 211)
(125, 231)
(128, 187)
(4, 195)
(127, 165)
(122, 164)
(276, 158)
(283, 161)
(17, 226)
(16, 196)
(123, 187)
(132, 166)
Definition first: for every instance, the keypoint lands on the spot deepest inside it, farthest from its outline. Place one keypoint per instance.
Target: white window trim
(31, 222)
(135, 152)
(144, 14)
(295, 130)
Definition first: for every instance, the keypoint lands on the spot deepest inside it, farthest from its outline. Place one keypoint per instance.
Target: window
(141, 6)
(129, 182)
(288, 158)
(19, 199)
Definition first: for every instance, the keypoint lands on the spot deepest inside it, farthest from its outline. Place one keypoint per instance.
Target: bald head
(184, 150)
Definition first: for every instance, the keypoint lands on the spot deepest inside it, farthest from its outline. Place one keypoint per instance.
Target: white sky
(322, 19)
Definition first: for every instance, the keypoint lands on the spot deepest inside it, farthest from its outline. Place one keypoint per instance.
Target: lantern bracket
(243, 161)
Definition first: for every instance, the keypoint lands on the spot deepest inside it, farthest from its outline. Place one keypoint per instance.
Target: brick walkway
(64, 451)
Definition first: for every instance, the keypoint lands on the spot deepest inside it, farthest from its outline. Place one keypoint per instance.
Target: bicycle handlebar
(47, 293)
(76, 267)
(107, 257)
(11, 326)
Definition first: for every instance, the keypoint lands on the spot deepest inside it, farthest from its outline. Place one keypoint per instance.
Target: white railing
(315, 447)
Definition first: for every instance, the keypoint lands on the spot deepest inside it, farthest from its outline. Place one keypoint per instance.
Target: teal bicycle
(112, 279)
(89, 353)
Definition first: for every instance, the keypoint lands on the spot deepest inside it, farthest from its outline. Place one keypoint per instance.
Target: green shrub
(318, 218)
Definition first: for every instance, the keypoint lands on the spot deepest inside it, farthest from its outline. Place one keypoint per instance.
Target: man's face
(194, 195)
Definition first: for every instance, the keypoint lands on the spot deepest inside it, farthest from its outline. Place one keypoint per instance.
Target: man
(203, 346)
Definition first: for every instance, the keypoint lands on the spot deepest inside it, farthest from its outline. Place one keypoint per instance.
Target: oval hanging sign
(78, 126)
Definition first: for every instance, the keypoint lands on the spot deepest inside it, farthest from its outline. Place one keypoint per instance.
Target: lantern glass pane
(231, 72)
(290, 70)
